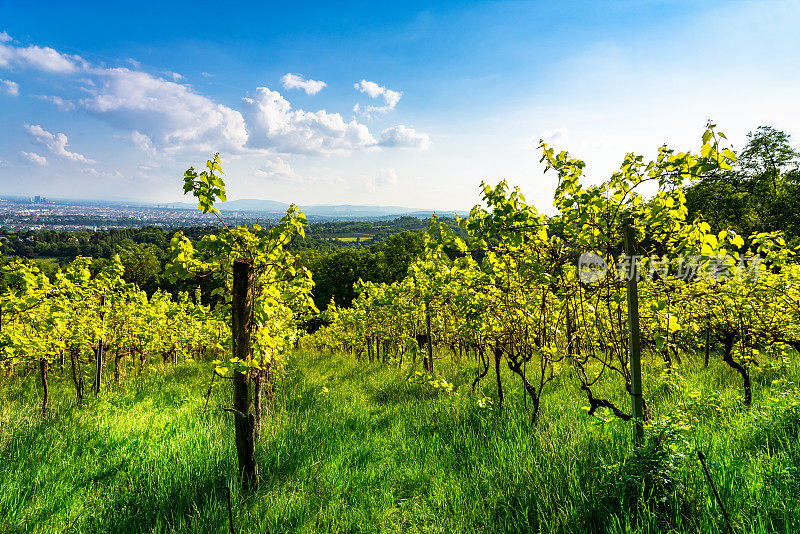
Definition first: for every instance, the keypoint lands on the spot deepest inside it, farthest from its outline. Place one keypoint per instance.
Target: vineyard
(616, 367)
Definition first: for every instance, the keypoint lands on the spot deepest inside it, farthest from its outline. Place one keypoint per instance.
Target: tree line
(144, 255)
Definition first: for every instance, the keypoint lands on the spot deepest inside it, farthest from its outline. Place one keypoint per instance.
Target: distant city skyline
(376, 104)
(247, 204)
(39, 213)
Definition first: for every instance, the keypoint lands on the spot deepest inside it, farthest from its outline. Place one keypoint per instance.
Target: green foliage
(62, 320)
(207, 187)
(282, 286)
(336, 273)
(431, 382)
(760, 194)
(507, 282)
(141, 263)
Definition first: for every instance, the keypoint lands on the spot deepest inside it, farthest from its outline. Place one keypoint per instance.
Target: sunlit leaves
(207, 186)
(282, 289)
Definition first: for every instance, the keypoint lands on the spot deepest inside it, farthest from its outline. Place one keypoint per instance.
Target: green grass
(379, 454)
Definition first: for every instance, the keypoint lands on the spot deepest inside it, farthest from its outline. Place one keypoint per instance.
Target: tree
(400, 251)
(768, 154)
(141, 264)
(760, 194)
(336, 272)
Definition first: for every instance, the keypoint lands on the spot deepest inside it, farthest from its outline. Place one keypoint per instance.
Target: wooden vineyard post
(429, 348)
(243, 281)
(634, 342)
(498, 356)
(98, 370)
(44, 367)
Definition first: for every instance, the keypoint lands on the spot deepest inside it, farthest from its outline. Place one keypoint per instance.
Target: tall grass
(350, 447)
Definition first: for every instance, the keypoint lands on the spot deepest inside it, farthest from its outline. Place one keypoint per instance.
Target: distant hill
(351, 210)
(245, 204)
(252, 204)
(341, 211)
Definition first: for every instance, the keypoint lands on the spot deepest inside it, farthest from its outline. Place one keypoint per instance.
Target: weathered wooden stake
(44, 367)
(98, 370)
(77, 377)
(498, 356)
(634, 342)
(430, 341)
(243, 281)
(118, 366)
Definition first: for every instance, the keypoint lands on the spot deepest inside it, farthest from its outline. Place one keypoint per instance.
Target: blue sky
(106, 101)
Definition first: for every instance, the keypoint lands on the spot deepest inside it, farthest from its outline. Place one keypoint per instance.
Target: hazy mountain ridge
(324, 210)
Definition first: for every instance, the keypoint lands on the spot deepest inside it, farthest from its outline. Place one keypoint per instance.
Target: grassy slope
(378, 454)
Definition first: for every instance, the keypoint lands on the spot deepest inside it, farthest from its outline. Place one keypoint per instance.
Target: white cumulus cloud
(373, 90)
(103, 174)
(272, 124)
(41, 58)
(276, 169)
(404, 137)
(56, 143)
(36, 159)
(7, 55)
(11, 88)
(161, 113)
(49, 60)
(296, 81)
(172, 115)
(383, 179)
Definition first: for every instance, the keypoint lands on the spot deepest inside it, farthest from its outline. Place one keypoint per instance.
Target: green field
(349, 237)
(353, 447)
